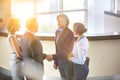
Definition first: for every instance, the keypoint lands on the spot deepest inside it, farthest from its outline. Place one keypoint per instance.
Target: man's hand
(70, 55)
(49, 57)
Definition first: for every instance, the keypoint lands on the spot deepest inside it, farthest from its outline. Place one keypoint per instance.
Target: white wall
(91, 16)
(118, 5)
(96, 10)
(4, 53)
(112, 24)
(104, 57)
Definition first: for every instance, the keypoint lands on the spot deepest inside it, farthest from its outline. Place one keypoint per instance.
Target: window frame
(60, 11)
(65, 11)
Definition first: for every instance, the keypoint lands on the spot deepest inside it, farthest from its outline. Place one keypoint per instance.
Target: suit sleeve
(65, 46)
(37, 51)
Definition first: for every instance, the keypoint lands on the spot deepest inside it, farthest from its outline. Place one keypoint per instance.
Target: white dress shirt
(80, 50)
(59, 33)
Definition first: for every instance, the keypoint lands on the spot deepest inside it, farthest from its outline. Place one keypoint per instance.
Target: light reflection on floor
(49, 70)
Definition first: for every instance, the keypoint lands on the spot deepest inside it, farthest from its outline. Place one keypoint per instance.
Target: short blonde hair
(64, 19)
(79, 28)
(32, 25)
(13, 24)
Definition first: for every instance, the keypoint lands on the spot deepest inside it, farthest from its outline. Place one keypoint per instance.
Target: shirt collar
(60, 29)
(80, 38)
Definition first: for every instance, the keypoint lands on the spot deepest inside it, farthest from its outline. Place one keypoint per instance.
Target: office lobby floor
(52, 74)
(6, 75)
(115, 77)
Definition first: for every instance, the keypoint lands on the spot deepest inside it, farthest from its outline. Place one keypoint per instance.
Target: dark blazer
(32, 48)
(64, 44)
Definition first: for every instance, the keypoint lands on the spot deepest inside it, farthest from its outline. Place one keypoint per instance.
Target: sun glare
(23, 12)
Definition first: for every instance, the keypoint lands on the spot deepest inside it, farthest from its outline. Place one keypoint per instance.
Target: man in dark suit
(32, 51)
(64, 39)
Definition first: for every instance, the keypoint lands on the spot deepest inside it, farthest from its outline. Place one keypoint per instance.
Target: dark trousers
(80, 71)
(65, 69)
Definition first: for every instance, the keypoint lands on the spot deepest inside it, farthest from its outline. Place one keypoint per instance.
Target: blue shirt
(80, 50)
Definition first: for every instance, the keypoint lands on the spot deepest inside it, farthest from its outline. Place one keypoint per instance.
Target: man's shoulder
(69, 31)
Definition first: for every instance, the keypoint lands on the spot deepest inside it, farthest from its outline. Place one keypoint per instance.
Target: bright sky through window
(46, 12)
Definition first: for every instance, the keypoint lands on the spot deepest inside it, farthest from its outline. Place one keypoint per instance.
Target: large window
(46, 12)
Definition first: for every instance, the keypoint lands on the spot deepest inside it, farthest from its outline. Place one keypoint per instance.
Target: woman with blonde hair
(16, 54)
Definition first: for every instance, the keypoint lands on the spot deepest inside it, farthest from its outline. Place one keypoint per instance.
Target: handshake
(49, 57)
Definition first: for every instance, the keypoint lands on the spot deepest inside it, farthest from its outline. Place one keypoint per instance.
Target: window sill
(91, 37)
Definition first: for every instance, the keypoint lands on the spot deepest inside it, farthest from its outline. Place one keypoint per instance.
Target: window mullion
(61, 5)
(86, 12)
(35, 7)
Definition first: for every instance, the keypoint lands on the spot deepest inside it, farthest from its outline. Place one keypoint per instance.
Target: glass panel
(112, 5)
(73, 4)
(47, 5)
(22, 7)
(47, 23)
(78, 16)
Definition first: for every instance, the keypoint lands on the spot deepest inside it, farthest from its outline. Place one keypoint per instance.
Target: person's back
(32, 52)
(33, 47)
